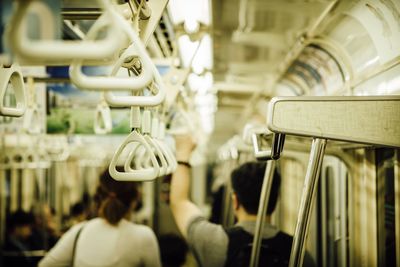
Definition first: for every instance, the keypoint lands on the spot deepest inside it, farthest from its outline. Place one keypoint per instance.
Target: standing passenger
(111, 239)
(214, 246)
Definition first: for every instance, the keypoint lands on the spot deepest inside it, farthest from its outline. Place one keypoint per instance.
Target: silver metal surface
(262, 209)
(274, 152)
(397, 203)
(308, 195)
(81, 13)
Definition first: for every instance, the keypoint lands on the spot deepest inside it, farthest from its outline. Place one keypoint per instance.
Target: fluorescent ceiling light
(203, 60)
(189, 11)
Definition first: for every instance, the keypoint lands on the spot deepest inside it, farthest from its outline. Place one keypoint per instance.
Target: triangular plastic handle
(146, 174)
(103, 119)
(46, 51)
(169, 157)
(158, 151)
(136, 155)
(32, 120)
(14, 76)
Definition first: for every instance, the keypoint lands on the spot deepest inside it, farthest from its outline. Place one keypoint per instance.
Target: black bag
(274, 252)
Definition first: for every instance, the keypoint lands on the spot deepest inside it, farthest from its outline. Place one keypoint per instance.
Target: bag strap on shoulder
(74, 245)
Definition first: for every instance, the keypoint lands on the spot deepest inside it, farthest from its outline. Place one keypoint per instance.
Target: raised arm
(182, 208)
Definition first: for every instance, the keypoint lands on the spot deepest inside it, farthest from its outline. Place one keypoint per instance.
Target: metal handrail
(262, 209)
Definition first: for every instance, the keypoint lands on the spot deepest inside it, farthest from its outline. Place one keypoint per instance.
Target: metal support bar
(397, 202)
(262, 209)
(274, 152)
(309, 192)
(81, 13)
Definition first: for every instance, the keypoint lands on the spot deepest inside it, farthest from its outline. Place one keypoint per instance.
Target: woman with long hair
(110, 239)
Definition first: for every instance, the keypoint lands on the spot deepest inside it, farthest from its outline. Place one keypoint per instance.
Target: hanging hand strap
(102, 119)
(74, 245)
(13, 76)
(143, 174)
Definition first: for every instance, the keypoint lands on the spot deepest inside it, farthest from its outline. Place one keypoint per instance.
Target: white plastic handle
(103, 119)
(147, 124)
(126, 101)
(136, 155)
(146, 174)
(98, 83)
(14, 76)
(32, 120)
(172, 163)
(59, 50)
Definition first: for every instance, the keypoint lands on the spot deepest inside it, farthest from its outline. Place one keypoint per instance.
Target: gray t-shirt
(209, 241)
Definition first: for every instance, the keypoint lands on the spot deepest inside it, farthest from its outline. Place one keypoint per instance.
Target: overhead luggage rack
(373, 120)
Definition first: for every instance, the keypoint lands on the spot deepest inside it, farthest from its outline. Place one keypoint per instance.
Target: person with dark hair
(110, 239)
(214, 246)
(16, 245)
(45, 232)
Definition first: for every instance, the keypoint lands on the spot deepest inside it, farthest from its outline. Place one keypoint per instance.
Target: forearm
(182, 208)
(180, 185)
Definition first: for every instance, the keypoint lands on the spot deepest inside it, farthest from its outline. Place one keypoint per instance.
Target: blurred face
(23, 231)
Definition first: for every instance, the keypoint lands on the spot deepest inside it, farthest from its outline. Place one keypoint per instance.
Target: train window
(384, 83)
(355, 40)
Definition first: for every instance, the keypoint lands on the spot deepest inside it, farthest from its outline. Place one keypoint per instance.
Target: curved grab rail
(59, 50)
(103, 119)
(14, 76)
(126, 101)
(97, 83)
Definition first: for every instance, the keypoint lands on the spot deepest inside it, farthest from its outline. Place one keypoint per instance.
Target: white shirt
(102, 244)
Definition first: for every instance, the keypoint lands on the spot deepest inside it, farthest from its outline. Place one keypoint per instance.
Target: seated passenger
(16, 245)
(214, 246)
(45, 231)
(110, 239)
(78, 213)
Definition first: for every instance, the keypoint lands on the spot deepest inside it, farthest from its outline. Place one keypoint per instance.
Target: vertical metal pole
(309, 190)
(262, 209)
(397, 203)
(3, 200)
(228, 216)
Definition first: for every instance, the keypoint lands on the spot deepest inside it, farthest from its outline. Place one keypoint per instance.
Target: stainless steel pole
(262, 208)
(309, 190)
